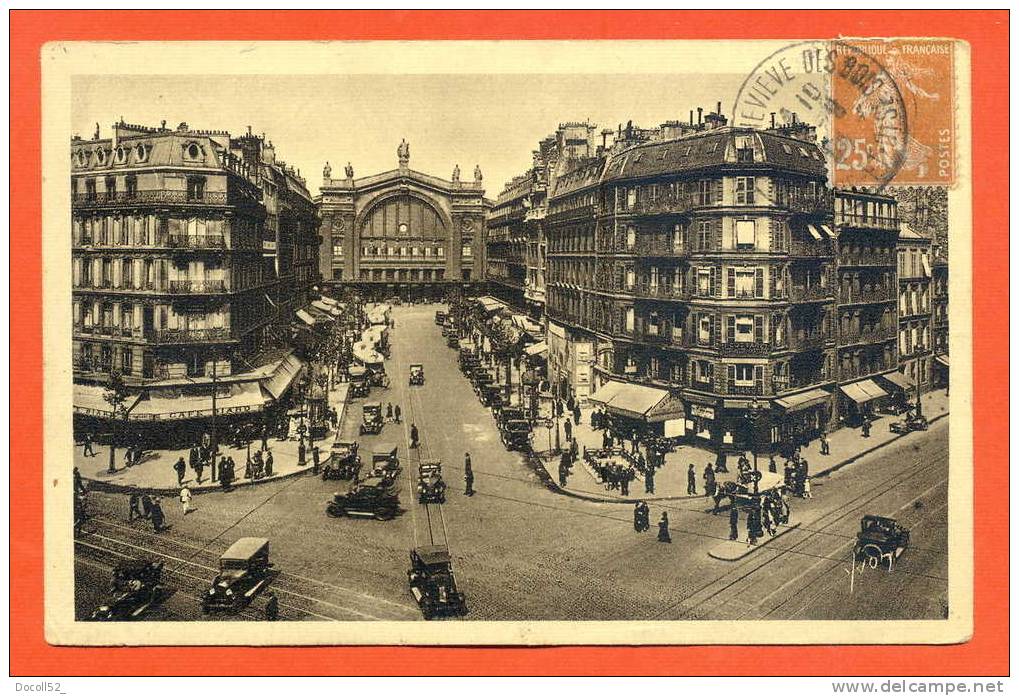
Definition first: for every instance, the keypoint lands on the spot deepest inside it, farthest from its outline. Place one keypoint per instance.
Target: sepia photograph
(495, 343)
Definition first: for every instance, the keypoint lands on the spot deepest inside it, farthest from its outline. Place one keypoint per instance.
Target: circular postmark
(841, 91)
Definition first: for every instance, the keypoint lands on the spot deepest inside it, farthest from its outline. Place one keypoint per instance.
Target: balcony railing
(199, 241)
(866, 222)
(867, 259)
(807, 342)
(663, 204)
(86, 200)
(818, 250)
(864, 296)
(658, 247)
(736, 349)
(197, 287)
(746, 390)
(658, 292)
(813, 293)
(871, 336)
(192, 335)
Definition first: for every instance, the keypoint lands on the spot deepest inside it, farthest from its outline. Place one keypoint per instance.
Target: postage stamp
(883, 108)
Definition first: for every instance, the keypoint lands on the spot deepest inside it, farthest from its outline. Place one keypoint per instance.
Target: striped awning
(803, 400)
(283, 376)
(90, 400)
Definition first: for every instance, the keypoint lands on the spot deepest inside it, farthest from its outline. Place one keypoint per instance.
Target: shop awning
(943, 359)
(803, 400)
(644, 403)
(90, 400)
(326, 307)
(606, 392)
(828, 231)
(814, 232)
(898, 380)
(329, 301)
(284, 375)
(863, 391)
(537, 349)
(305, 317)
(490, 304)
(244, 397)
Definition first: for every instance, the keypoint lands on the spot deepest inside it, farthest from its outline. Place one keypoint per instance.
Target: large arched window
(404, 217)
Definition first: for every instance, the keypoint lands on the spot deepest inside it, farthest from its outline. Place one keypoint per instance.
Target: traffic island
(735, 550)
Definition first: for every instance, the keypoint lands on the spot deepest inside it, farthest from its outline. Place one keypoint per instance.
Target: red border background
(987, 33)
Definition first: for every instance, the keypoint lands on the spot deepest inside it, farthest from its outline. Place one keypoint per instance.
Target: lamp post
(755, 412)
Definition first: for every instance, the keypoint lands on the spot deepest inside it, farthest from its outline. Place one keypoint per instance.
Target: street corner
(734, 550)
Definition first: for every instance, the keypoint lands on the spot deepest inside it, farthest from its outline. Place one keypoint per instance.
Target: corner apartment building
(178, 281)
(915, 273)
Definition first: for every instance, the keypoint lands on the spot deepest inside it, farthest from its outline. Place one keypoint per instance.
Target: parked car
(910, 423)
(134, 588)
(385, 461)
(359, 385)
(491, 395)
(881, 538)
(516, 435)
(373, 497)
(433, 584)
(243, 574)
(440, 317)
(344, 462)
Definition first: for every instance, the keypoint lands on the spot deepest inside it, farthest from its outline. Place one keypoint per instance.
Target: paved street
(522, 551)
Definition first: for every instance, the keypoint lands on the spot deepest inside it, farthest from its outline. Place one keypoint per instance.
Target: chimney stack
(794, 118)
(700, 111)
(773, 120)
(718, 109)
(691, 117)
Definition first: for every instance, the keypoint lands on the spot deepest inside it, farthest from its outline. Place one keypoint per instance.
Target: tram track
(710, 591)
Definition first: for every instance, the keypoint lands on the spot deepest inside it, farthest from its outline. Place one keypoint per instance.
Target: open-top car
(431, 487)
(371, 418)
(373, 497)
(344, 462)
(359, 385)
(417, 374)
(881, 538)
(385, 461)
(908, 424)
(243, 574)
(433, 584)
(516, 435)
(134, 588)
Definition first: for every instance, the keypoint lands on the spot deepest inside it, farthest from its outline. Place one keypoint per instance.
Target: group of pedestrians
(642, 521)
(146, 507)
(393, 413)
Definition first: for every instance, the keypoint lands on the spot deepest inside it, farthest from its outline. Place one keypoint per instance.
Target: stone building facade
(916, 338)
(402, 232)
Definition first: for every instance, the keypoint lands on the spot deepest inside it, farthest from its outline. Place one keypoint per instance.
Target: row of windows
(122, 154)
(195, 190)
(405, 252)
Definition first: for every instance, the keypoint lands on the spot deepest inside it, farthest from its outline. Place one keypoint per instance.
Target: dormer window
(100, 156)
(193, 150)
(141, 153)
(121, 155)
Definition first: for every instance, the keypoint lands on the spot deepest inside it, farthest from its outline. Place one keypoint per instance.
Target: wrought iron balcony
(199, 241)
(179, 336)
(813, 293)
(736, 349)
(110, 198)
(197, 287)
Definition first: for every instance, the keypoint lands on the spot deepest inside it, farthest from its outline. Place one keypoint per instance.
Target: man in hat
(468, 475)
(691, 481)
(709, 480)
(663, 529)
(157, 516)
(180, 467)
(414, 436)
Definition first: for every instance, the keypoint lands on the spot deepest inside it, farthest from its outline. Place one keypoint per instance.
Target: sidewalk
(847, 445)
(155, 473)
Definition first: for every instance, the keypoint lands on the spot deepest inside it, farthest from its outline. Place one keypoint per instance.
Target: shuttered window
(759, 283)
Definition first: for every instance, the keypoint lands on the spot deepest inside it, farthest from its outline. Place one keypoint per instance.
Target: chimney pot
(700, 111)
(719, 109)
(772, 119)
(691, 117)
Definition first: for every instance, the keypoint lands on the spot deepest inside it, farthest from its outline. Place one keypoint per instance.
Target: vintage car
(343, 463)
(377, 376)
(359, 385)
(452, 340)
(440, 317)
(910, 423)
(432, 583)
(431, 487)
(480, 377)
(371, 418)
(243, 574)
(385, 461)
(490, 395)
(134, 588)
(417, 374)
(506, 414)
(516, 435)
(880, 540)
(373, 497)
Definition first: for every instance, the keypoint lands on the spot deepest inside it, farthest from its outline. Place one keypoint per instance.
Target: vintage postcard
(506, 342)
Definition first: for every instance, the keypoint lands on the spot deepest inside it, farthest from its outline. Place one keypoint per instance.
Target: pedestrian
(691, 481)
(146, 506)
(301, 453)
(79, 487)
(87, 450)
(576, 414)
(564, 472)
(772, 464)
(249, 467)
(649, 480)
(127, 457)
(638, 513)
(754, 531)
(414, 437)
(315, 453)
(574, 451)
(806, 487)
(199, 468)
(180, 467)
(709, 480)
(766, 516)
(624, 482)
(265, 438)
(720, 467)
(389, 412)
(606, 440)
(568, 429)
(866, 426)
(733, 523)
(663, 529)
(134, 507)
(268, 463)
(193, 458)
(825, 449)
(396, 413)
(468, 475)
(185, 499)
(157, 516)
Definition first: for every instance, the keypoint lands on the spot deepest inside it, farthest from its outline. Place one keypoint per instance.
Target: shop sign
(699, 411)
